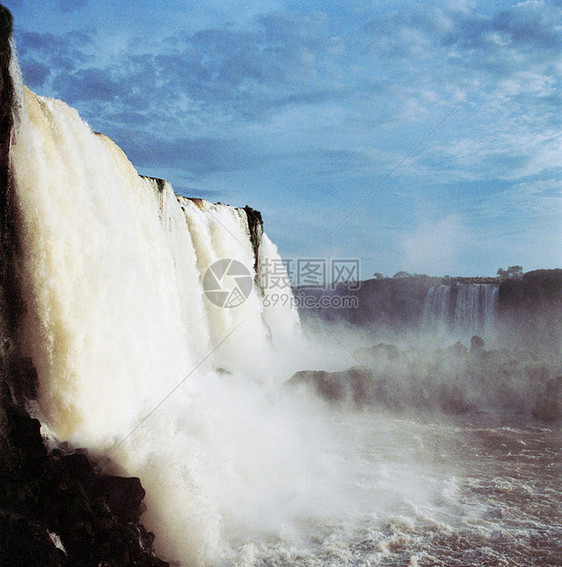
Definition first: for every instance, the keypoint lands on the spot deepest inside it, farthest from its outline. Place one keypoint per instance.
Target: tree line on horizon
(510, 272)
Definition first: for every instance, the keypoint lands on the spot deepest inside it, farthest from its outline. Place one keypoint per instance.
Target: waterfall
(117, 322)
(436, 308)
(461, 310)
(103, 245)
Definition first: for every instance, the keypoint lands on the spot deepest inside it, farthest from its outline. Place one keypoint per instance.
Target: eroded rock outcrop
(58, 510)
(453, 380)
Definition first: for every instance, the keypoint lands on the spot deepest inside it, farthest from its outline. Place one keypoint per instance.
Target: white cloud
(434, 247)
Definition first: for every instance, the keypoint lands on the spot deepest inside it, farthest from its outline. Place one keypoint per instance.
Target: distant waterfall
(436, 308)
(461, 309)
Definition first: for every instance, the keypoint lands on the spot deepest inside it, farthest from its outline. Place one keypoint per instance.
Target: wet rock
(21, 443)
(124, 496)
(255, 226)
(56, 509)
(24, 544)
(457, 350)
(357, 386)
(381, 352)
(549, 406)
(451, 399)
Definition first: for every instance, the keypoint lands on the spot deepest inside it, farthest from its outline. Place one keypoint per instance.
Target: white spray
(112, 265)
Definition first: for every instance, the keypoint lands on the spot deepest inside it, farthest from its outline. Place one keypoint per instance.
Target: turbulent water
(135, 362)
(447, 494)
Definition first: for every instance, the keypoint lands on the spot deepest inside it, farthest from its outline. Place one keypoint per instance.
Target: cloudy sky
(413, 135)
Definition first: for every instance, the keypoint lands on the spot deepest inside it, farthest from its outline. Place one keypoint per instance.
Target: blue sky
(301, 108)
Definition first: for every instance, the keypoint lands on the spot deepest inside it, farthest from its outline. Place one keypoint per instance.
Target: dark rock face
(56, 510)
(123, 496)
(8, 297)
(476, 344)
(21, 378)
(6, 100)
(34, 548)
(360, 388)
(394, 304)
(357, 388)
(18, 370)
(255, 226)
(530, 310)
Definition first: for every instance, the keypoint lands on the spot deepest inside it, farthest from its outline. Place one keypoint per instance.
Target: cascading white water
(112, 266)
(475, 307)
(97, 236)
(436, 308)
(461, 309)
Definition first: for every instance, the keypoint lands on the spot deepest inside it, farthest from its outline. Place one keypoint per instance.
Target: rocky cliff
(57, 507)
(528, 315)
